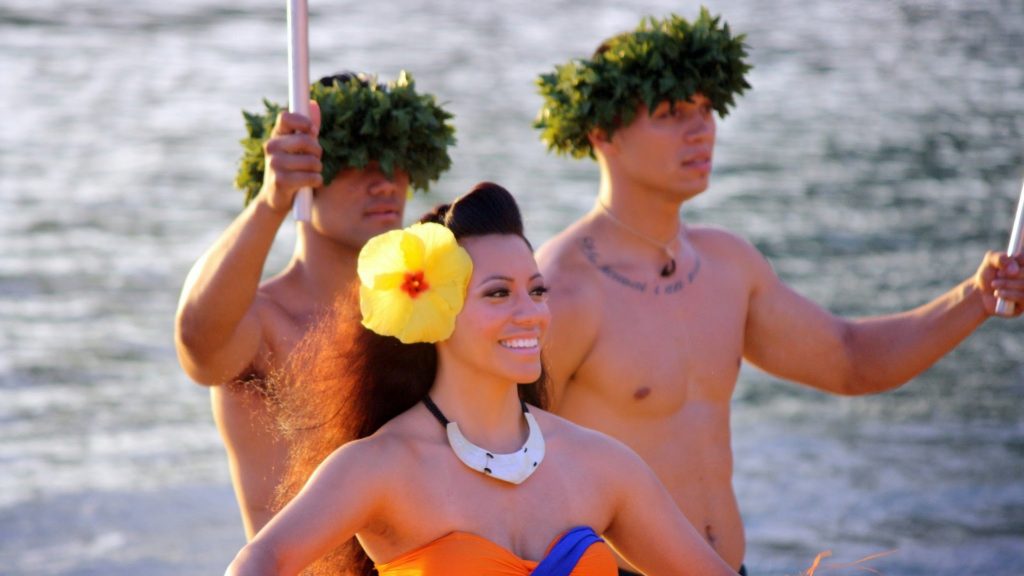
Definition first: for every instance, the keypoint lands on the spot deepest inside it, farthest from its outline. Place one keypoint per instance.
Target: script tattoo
(590, 251)
(673, 286)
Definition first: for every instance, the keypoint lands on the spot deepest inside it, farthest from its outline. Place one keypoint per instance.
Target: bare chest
(283, 331)
(666, 342)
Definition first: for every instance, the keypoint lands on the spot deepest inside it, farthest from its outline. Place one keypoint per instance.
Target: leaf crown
(361, 121)
(662, 60)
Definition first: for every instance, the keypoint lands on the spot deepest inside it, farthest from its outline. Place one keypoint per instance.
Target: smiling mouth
(520, 343)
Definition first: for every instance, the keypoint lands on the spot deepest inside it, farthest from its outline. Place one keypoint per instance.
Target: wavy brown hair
(344, 382)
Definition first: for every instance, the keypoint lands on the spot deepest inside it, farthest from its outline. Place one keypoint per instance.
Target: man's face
(360, 204)
(668, 150)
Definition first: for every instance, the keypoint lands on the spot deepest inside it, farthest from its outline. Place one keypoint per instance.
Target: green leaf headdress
(662, 60)
(362, 121)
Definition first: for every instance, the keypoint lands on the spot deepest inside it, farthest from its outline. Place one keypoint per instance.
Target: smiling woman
(498, 333)
(432, 445)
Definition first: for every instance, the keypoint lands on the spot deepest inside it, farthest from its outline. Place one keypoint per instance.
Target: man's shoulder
(721, 245)
(280, 289)
(564, 247)
(284, 298)
(718, 238)
(289, 319)
(563, 260)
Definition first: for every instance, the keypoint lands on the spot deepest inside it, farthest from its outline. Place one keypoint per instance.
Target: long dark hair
(344, 382)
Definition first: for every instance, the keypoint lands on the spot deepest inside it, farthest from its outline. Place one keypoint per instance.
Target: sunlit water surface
(877, 157)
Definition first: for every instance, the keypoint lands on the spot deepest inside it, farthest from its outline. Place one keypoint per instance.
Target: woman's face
(505, 317)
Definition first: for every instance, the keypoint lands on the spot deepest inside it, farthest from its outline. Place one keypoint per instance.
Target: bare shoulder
(285, 314)
(562, 261)
(398, 437)
(724, 247)
(575, 299)
(591, 448)
(283, 296)
(383, 456)
(722, 242)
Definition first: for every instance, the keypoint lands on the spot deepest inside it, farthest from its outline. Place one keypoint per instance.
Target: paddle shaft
(1003, 307)
(298, 85)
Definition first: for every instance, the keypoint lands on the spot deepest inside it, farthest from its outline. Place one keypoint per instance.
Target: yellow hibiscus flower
(413, 283)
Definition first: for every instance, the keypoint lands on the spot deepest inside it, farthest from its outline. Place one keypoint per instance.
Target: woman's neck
(487, 409)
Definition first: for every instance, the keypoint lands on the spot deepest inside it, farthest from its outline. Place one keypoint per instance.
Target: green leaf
(362, 121)
(662, 59)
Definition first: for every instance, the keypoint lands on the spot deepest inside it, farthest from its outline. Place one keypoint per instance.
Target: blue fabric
(566, 553)
(624, 572)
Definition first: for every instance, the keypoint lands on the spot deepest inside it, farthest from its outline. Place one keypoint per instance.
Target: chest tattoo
(667, 288)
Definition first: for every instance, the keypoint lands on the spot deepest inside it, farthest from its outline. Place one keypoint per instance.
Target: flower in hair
(412, 283)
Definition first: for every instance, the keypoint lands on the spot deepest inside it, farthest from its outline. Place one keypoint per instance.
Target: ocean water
(877, 157)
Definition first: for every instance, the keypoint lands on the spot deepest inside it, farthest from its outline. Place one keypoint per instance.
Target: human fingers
(298, 144)
(291, 123)
(1008, 288)
(314, 116)
(1012, 266)
(996, 265)
(287, 183)
(1012, 304)
(291, 165)
(283, 164)
(287, 174)
(1006, 265)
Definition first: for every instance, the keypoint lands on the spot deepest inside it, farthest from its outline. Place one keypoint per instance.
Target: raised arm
(648, 528)
(339, 500)
(218, 330)
(791, 337)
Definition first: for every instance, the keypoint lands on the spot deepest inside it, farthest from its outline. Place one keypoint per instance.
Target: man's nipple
(641, 393)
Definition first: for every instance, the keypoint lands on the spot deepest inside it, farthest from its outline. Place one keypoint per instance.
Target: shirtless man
(652, 317)
(231, 330)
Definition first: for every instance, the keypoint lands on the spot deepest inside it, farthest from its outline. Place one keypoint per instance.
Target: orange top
(465, 554)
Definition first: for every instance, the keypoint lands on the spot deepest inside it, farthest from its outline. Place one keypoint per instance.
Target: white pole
(298, 84)
(1004, 308)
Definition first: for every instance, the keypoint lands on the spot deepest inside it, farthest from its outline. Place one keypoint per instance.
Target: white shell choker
(513, 468)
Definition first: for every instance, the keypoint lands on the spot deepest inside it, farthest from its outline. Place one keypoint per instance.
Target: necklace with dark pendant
(666, 270)
(513, 468)
(670, 268)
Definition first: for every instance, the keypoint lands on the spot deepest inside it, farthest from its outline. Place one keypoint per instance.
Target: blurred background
(877, 157)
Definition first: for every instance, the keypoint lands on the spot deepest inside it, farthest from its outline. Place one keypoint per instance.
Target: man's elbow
(205, 357)
(188, 334)
(195, 372)
(188, 344)
(871, 378)
(862, 374)
(256, 559)
(852, 384)
(196, 360)
(850, 376)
